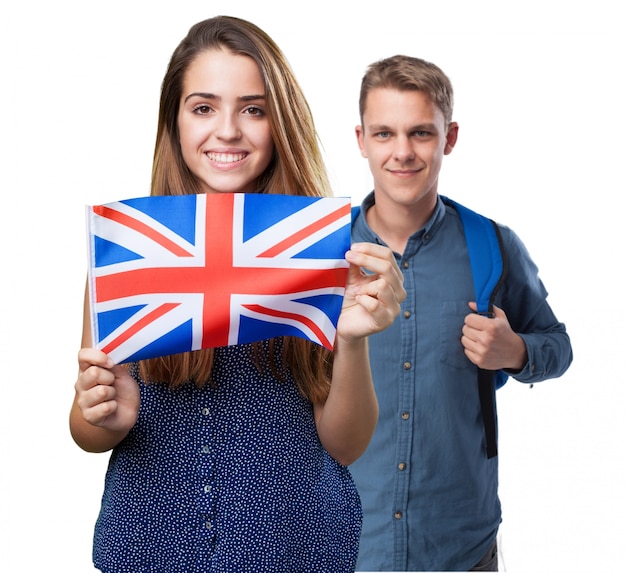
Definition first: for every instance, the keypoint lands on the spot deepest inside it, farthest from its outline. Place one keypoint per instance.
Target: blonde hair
(297, 168)
(405, 73)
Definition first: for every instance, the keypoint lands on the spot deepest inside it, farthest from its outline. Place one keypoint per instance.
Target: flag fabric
(175, 274)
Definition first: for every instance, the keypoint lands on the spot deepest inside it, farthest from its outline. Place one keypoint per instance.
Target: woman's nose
(228, 127)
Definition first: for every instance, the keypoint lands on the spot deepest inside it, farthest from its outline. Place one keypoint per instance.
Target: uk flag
(174, 274)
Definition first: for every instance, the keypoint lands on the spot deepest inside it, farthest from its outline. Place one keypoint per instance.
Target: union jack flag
(174, 274)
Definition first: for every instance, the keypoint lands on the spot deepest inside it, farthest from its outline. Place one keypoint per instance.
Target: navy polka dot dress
(230, 478)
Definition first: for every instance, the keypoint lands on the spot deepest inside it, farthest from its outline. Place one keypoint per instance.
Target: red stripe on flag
(145, 321)
(297, 317)
(313, 227)
(142, 228)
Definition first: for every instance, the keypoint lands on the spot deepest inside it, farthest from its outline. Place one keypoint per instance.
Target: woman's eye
(202, 109)
(254, 110)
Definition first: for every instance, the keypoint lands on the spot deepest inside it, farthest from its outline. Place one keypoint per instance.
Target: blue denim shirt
(429, 493)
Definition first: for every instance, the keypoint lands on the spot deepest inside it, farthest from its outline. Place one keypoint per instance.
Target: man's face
(404, 137)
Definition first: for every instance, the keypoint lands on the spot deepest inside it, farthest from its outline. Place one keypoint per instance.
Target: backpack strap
(488, 263)
(484, 246)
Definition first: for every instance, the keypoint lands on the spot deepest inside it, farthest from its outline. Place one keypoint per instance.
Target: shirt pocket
(451, 322)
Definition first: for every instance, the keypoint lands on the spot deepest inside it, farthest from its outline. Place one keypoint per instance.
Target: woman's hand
(106, 404)
(372, 299)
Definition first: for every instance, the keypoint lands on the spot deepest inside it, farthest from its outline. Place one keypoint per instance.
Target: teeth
(226, 157)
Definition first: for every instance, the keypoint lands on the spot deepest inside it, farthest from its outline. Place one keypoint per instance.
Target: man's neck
(394, 223)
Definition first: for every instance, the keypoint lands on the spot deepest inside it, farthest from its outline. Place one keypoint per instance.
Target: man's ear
(358, 130)
(451, 137)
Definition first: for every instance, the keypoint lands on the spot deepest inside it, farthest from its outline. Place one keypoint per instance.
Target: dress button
(208, 525)
(207, 489)
(206, 449)
(205, 411)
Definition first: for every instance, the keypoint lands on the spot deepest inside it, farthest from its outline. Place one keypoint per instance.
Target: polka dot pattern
(230, 478)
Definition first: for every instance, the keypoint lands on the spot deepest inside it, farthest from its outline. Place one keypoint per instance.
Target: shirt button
(407, 314)
(407, 365)
(398, 515)
(401, 466)
(405, 415)
(405, 264)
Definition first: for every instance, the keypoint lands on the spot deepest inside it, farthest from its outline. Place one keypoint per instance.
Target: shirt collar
(426, 232)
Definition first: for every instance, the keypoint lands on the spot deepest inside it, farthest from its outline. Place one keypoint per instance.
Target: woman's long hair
(297, 168)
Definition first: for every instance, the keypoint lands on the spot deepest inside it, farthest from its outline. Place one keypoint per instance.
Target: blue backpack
(489, 266)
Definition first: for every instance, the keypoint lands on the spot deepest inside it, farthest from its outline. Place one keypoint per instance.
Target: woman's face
(224, 131)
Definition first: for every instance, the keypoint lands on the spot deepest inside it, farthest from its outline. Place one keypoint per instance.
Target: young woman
(233, 459)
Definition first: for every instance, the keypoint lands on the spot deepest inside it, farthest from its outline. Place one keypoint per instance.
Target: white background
(540, 101)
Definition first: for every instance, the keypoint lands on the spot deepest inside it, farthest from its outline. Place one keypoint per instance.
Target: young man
(429, 488)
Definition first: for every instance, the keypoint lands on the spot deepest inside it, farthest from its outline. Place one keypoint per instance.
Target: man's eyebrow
(377, 127)
(428, 126)
(212, 96)
(417, 127)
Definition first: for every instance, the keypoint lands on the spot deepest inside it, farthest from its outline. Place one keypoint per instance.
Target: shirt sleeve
(524, 300)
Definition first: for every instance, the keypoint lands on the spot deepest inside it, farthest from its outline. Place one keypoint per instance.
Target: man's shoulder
(456, 209)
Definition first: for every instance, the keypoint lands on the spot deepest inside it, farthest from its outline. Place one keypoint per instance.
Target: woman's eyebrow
(212, 96)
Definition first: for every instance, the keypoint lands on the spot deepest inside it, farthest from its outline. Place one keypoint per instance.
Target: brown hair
(406, 73)
(296, 169)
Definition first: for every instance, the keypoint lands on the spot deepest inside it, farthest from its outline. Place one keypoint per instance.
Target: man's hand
(490, 343)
